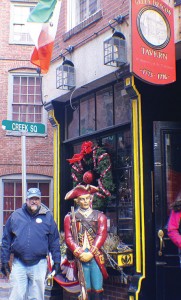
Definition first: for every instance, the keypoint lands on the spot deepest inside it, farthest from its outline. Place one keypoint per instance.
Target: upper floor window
(26, 98)
(87, 8)
(80, 10)
(18, 27)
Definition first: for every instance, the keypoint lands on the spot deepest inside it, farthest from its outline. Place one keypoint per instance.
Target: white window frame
(30, 177)
(10, 102)
(20, 22)
(73, 12)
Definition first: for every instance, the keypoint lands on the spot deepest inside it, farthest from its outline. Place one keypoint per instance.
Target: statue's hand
(86, 256)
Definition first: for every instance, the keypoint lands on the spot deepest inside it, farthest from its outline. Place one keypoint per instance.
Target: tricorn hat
(81, 190)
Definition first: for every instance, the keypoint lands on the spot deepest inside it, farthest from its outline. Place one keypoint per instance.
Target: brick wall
(39, 150)
(108, 12)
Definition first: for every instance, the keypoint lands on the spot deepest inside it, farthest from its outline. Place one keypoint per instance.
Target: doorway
(167, 188)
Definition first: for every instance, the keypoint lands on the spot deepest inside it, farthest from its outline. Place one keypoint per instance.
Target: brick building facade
(109, 106)
(21, 101)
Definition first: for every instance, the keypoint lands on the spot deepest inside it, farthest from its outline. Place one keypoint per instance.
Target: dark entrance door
(167, 188)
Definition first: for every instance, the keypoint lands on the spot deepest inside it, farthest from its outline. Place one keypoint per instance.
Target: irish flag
(42, 23)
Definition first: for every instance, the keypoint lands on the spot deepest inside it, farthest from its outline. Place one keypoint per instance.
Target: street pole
(23, 154)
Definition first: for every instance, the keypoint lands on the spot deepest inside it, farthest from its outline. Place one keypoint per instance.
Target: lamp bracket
(111, 25)
(62, 56)
(38, 70)
(119, 19)
(70, 49)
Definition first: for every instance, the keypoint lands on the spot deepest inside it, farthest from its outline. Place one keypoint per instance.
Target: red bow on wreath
(86, 148)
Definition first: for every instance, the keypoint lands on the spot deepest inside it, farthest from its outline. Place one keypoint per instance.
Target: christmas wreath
(93, 165)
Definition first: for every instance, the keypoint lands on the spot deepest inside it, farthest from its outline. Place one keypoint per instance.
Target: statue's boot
(91, 296)
(98, 296)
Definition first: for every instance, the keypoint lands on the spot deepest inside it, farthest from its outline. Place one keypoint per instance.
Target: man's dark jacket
(30, 236)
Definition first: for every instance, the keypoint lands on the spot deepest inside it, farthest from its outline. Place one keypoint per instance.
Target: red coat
(173, 228)
(97, 241)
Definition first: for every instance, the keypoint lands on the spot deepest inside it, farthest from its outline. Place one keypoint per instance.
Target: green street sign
(23, 126)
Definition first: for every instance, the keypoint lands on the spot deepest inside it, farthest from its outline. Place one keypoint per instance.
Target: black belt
(29, 262)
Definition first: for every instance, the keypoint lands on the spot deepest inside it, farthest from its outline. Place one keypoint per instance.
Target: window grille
(27, 105)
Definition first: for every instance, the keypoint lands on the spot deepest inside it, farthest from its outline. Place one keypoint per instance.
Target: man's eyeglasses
(34, 199)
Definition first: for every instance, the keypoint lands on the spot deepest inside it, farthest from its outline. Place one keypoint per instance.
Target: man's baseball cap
(33, 192)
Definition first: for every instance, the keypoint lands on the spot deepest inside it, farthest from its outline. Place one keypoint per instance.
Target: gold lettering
(147, 73)
(154, 53)
(162, 76)
(146, 2)
(162, 7)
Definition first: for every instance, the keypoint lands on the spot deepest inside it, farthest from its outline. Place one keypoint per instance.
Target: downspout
(56, 163)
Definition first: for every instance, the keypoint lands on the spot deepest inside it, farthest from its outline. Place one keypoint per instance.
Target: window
(104, 108)
(18, 30)
(122, 110)
(120, 209)
(80, 10)
(87, 115)
(72, 121)
(26, 98)
(87, 8)
(12, 195)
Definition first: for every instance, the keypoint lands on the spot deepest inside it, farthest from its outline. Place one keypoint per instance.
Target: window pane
(32, 185)
(18, 202)
(24, 81)
(19, 24)
(109, 143)
(124, 149)
(44, 187)
(18, 189)
(45, 201)
(87, 115)
(83, 10)
(16, 98)
(8, 188)
(8, 203)
(92, 6)
(72, 121)
(6, 216)
(16, 89)
(122, 109)
(31, 81)
(31, 90)
(87, 8)
(104, 103)
(30, 98)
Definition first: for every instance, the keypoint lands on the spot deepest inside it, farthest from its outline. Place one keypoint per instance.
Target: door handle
(161, 235)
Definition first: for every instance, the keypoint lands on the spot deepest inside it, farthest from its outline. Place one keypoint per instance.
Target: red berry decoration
(88, 177)
(98, 162)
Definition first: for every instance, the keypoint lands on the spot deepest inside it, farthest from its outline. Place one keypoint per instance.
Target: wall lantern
(65, 75)
(115, 50)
